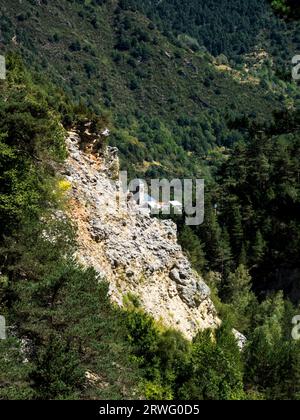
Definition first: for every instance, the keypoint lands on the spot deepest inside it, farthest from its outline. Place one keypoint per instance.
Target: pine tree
(237, 232)
(227, 258)
(210, 234)
(239, 296)
(239, 285)
(242, 259)
(194, 248)
(14, 372)
(58, 372)
(258, 249)
(271, 358)
(216, 371)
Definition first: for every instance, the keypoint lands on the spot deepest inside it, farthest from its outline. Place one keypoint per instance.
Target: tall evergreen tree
(258, 249)
(194, 248)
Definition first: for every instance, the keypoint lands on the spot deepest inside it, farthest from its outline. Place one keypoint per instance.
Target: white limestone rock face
(137, 254)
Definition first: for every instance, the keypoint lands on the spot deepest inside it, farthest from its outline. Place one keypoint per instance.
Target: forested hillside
(232, 28)
(187, 89)
(68, 350)
(66, 340)
(168, 104)
(256, 216)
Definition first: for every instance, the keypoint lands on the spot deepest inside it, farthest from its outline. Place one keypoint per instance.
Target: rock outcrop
(137, 254)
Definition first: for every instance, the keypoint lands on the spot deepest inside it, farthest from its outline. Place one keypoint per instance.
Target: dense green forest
(232, 28)
(229, 27)
(185, 92)
(167, 103)
(252, 214)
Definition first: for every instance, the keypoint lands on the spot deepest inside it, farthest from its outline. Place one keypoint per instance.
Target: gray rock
(203, 289)
(188, 295)
(138, 245)
(240, 338)
(183, 274)
(174, 275)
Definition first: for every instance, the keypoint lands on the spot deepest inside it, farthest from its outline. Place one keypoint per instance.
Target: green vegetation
(168, 105)
(233, 28)
(69, 327)
(67, 340)
(170, 80)
(221, 27)
(288, 8)
(256, 201)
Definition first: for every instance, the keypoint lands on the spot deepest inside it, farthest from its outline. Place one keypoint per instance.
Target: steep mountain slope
(66, 340)
(233, 27)
(138, 255)
(168, 104)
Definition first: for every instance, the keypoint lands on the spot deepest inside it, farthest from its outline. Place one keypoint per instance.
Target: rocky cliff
(137, 254)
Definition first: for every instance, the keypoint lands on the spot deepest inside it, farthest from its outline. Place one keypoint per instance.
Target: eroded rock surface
(136, 253)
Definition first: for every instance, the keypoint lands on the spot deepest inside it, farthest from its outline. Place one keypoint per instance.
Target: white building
(106, 133)
(146, 201)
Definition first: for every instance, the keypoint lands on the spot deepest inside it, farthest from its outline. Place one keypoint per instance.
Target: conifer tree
(216, 371)
(237, 232)
(194, 248)
(258, 249)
